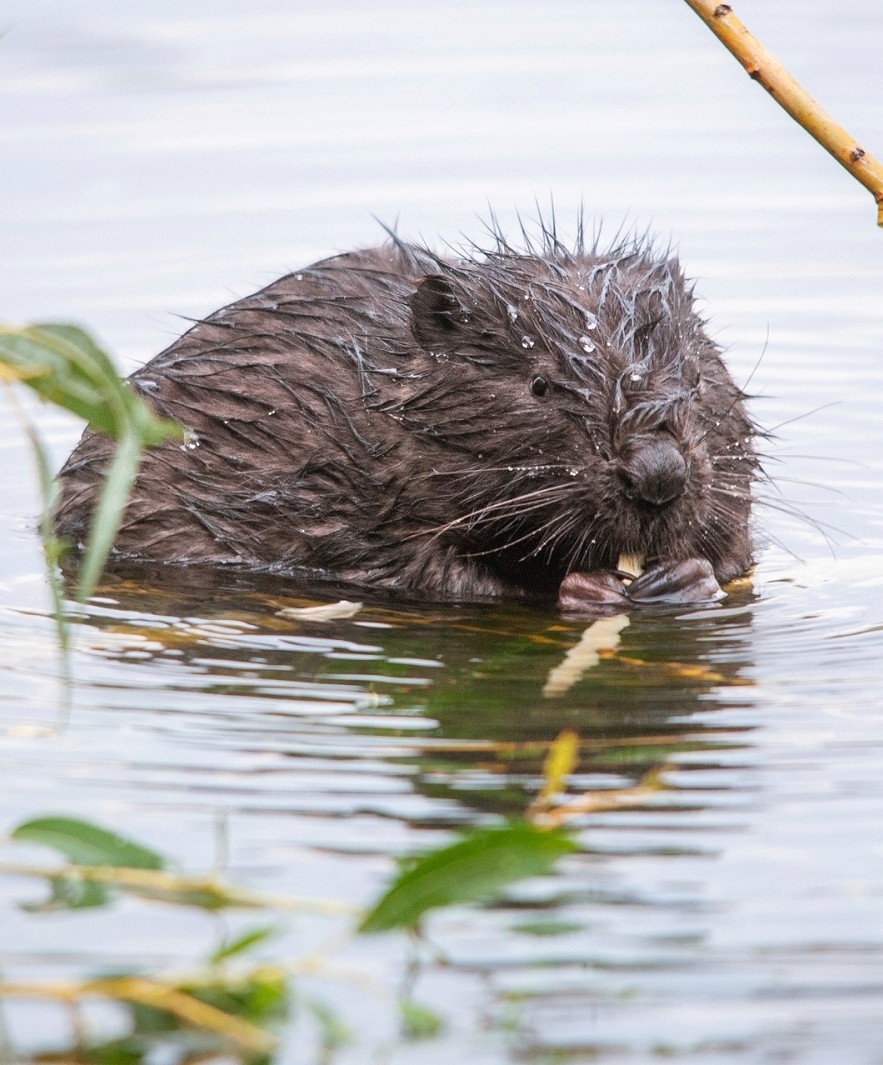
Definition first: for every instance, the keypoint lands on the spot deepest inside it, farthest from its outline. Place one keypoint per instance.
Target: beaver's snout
(653, 473)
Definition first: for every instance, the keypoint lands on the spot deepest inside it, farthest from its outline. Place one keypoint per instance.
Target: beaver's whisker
(493, 510)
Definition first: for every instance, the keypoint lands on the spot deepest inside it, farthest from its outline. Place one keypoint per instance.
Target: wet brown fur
(373, 419)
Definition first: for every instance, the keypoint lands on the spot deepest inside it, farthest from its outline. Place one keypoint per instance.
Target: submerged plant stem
(595, 802)
(108, 515)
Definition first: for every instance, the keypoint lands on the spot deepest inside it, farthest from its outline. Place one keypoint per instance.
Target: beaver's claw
(689, 581)
(597, 592)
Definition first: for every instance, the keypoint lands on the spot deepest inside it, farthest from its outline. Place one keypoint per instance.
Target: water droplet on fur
(270, 413)
(591, 321)
(191, 441)
(513, 314)
(586, 344)
(573, 471)
(298, 277)
(527, 342)
(634, 377)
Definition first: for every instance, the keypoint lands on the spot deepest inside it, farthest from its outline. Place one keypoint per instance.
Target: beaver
(498, 423)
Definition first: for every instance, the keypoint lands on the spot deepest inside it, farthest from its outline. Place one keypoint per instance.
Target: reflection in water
(405, 717)
(601, 635)
(526, 673)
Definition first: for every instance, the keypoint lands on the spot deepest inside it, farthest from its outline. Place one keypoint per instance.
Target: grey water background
(160, 159)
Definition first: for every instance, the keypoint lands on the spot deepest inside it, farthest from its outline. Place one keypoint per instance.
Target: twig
(537, 748)
(596, 802)
(146, 992)
(157, 884)
(762, 66)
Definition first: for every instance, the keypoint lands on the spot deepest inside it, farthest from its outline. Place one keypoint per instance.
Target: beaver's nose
(654, 473)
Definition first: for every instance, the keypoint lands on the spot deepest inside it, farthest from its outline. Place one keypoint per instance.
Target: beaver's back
(269, 389)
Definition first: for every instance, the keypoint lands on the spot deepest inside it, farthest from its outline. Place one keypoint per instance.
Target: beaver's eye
(539, 386)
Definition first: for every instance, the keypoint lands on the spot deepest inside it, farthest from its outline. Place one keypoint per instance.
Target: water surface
(162, 159)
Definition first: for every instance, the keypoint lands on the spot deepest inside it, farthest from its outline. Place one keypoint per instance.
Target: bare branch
(763, 67)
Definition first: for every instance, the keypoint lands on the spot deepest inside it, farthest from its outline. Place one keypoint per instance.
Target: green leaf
(109, 512)
(204, 896)
(69, 893)
(232, 947)
(334, 1033)
(130, 1050)
(548, 928)
(64, 366)
(475, 867)
(261, 996)
(83, 843)
(418, 1021)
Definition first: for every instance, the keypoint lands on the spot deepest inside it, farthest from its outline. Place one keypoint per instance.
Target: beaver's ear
(649, 311)
(437, 312)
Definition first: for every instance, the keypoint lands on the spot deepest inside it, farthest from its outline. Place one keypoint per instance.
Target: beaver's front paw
(689, 581)
(596, 592)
